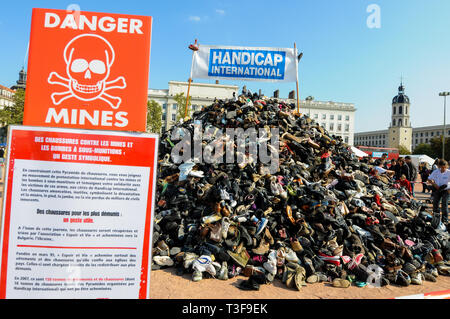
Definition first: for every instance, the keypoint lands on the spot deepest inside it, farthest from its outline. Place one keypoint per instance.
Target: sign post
(88, 70)
(77, 214)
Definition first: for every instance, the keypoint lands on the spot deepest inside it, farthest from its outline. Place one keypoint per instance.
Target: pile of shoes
(324, 216)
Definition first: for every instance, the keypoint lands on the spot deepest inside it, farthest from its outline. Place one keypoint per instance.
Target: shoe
(270, 266)
(249, 284)
(165, 261)
(317, 277)
(261, 225)
(262, 249)
(299, 277)
(240, 258)
(197, 276)
(268, 236)
(429, 277)
(417, 278)
(223, 272)
(296, 246)
(341, 283)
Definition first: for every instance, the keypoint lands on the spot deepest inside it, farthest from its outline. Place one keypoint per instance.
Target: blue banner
(245, 63)
(257, 64)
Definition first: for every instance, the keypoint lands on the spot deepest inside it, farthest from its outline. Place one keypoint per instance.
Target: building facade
(201, 94)
(400, 131)
(336, 117)
(22, 82)
(6, 96)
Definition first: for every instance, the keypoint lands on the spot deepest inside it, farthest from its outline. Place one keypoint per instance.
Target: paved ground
(165, 284)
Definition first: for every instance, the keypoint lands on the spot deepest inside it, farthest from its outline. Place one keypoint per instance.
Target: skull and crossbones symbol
(88, 58)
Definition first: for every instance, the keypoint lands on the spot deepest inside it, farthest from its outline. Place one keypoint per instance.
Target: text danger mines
(105, 24)
(88, 69)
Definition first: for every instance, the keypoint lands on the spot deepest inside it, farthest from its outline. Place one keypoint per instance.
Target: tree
(181, 106)
(154, 117)
(403, 150)
(436, 146)
(11, 115)
(424, 149)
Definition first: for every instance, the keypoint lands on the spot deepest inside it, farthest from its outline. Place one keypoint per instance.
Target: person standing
(412, 172)
(440, 181)
(424, 174)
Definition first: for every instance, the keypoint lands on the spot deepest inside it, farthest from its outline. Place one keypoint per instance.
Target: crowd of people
(434, 180)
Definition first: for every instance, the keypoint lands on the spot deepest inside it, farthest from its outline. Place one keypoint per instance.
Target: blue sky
(344, 60)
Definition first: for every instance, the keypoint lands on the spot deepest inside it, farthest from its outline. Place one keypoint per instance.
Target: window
(421, 134)
(400, 110)
(174, 106)
(324, 125)
(417, 134)
(339, 117)
(339, 128)
(324, 116)
(164, 117)
(331, 126)
(347, 128)
(174, 117)
(406, 110)
(165, 106)
(437, 133)
(394, 111)
(426, 140)
(346, 139)
(406, 122)
(332, 117)
(426, 134)
(316, 116)
(393, 122)
(400, 122)
(347, 118)
(417, 141)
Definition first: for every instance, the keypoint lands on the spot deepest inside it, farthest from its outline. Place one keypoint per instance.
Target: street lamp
(444, 94)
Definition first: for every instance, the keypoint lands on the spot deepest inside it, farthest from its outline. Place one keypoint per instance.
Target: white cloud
(220, 11)
(194, 18)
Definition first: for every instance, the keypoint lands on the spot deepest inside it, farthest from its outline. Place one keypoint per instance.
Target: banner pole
(194, 49)
(187, 98)
(296, 63)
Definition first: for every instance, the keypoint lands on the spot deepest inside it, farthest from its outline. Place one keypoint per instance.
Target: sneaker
(317, 277)
(291, 256)
(261, 225)
(270, 266)
(417, 278)
(163, 261)
(341, 283)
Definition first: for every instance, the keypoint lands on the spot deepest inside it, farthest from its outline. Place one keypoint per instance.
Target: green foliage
(181, 106)
(13, 115)
(403, 150)
(424, 149)
(154, 117)
(436, 146)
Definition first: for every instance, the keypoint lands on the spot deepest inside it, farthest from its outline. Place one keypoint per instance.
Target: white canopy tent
(417, 159)
(358, 152)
